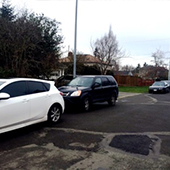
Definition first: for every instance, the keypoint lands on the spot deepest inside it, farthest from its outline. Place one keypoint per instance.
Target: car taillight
(61, 93)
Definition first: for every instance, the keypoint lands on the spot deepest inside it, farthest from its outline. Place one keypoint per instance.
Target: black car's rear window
(112, 81)
(105, 81)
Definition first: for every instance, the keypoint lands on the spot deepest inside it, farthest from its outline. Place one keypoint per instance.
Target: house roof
(91, 59)
(85, 58)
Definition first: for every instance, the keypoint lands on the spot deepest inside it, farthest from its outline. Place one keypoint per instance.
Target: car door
(107, 91)
(98, 90)
(39, 99)
(14, 110)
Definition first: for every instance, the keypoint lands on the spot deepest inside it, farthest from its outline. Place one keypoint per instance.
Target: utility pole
(169, 71)
(75, 41)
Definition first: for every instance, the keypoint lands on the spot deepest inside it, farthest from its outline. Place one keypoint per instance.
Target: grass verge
(136, 89)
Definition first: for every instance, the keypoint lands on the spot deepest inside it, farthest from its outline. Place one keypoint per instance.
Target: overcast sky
(141, 26)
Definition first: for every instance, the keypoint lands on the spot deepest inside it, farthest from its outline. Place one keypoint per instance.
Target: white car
(26, 101)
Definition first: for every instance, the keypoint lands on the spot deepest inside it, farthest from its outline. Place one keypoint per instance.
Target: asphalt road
(135, 134)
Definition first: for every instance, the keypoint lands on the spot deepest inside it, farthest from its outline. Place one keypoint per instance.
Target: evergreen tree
(6, 11)
(30, 44)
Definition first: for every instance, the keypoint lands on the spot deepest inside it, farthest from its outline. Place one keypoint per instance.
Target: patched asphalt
(138, 144)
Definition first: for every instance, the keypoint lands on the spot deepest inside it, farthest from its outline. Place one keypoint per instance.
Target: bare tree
(128, 68)
(158, 58)
(106, 49)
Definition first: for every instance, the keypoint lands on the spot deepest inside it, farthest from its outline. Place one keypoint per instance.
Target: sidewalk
(127, 94)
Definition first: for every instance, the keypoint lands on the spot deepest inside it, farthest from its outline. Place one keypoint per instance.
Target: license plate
(154, 89)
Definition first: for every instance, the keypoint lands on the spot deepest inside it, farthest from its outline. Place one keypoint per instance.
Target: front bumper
(157, 90)
(72, 101)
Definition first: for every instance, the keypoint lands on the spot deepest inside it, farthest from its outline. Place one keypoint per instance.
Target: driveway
(135, 134)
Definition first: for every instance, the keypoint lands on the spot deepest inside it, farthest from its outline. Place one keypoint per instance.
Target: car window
(112, 81)
(47, 86)
(36, 87)
(15, 89)
(98, 81)
(105, 81)
(159, 84)
(168, 82)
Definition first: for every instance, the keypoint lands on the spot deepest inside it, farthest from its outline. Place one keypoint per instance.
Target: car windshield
(158, 84)
(81, 81)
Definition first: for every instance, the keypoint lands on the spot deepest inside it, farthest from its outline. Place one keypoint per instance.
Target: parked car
(85, 90)
(159, 87)
(28, 101)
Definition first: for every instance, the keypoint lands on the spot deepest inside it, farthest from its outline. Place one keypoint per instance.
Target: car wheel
(54, 114)
(86, 104)
(112, 100)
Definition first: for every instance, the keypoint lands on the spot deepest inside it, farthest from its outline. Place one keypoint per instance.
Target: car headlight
(76, 93)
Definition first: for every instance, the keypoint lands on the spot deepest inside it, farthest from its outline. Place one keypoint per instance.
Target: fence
(123, 80)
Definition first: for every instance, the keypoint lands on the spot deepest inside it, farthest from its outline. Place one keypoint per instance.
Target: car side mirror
(96, 85)
(4, 96)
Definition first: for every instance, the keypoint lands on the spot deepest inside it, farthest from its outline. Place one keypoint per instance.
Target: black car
(85, 90)
(159, 87)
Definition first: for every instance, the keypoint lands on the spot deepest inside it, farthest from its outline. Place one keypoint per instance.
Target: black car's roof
(95, 76)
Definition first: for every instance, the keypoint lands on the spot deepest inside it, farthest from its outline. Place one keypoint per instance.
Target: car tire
(112, 100)
(54, 114)
(86, 104)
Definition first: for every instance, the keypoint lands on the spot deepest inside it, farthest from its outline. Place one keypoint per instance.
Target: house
(86, 59)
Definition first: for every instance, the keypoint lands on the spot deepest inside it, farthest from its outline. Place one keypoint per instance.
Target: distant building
(152, 72)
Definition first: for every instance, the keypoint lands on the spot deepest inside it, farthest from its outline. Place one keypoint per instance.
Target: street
(135, 134)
